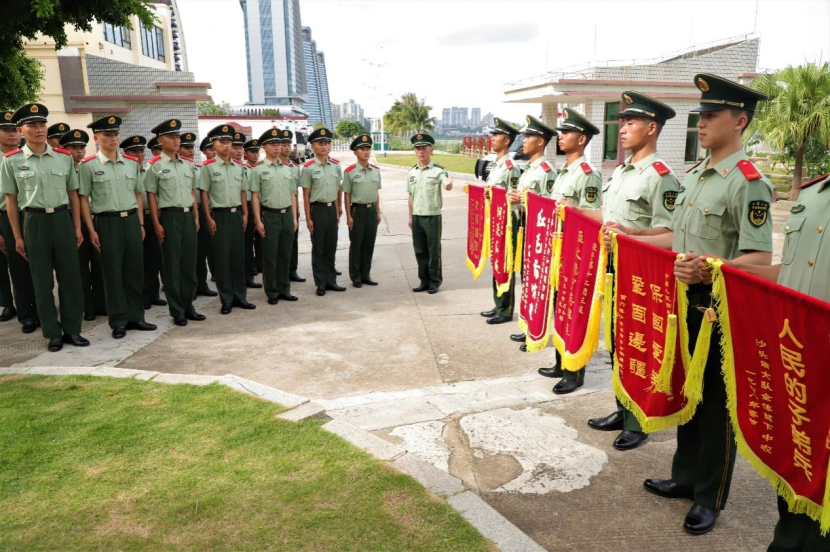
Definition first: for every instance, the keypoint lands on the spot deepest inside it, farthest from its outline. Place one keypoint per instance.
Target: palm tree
(409, 114)
(798, 110)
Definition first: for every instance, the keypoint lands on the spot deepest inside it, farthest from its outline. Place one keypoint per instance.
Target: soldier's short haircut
(738, 112)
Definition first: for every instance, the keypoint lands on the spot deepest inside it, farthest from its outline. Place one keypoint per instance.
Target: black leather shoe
(612, 422)
(180, 321)
(523, 347)
(207, 292)
(700, 520)
(518, 338)
(119, 332)
(628, 440)
(273, 300)
(141, 326)
(243, 304)
(75, 340)
(337, 272)
(321, 290)
(666, 488)
(226, 309)
(357, 283)
(571, 381)
(55, 345)
(147, 306)
(296, 278)
(287, 297)
(90, 317)
(420, 288)
(30, 325)
(432, 290)
(552, 372)
(368, 281)
(335, 287)
(498, 319)
(159, 302)
(252, 284)
(488, 314)
(195, 316)
(7, 314)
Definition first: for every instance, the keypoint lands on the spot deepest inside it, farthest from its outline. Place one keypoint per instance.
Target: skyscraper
(318, 103)
(475, 117)
(446, 117)
(274, 52)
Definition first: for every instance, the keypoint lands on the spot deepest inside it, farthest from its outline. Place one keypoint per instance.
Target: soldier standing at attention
(537, 178)
(223, 185)
(285, 157)
(42, 182)
(505, 174)
(154, 146)
(203, 258)
(54, 134)
(320, 180)
(170, 184)
(110, 187)
(253, 241)
(274, 194)
(18, 267)
(361, 187)
(424, 188)
(578, 184)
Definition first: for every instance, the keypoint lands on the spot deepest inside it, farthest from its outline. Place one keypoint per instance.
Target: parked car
(482, 168)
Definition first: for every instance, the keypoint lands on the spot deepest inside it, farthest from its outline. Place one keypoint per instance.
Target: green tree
(22, 75)
(349, 129)
(270, 112)
(797, 113)
(409, 114)
(319, 125)
(210, 108)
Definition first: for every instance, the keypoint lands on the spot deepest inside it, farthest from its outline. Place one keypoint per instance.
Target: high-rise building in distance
(318, 105)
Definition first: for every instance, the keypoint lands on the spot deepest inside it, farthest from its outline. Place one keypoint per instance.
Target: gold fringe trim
(508, 253)
(608, 307)
(663, 382)
(517, 262)
(693, 387)
(485, 246)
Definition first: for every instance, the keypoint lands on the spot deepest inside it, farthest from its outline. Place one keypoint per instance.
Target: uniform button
(786, 229)
(702, 179)
(809, 263)
(706, 210)
(820, 229)
(682, 229)
(690, 204)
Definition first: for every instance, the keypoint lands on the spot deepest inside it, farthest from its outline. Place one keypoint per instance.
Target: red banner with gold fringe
(478, 222)
(501, 239)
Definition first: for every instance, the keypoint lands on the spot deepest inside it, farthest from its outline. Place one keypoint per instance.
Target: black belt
(230, 209)
(281, 211)
(49, 210)
(178, 209)
(367, 205)
(323, 203)
(122, 214)
(146, 211)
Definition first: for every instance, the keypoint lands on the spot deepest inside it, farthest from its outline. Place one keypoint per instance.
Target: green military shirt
(322, 178)
(41, 182)
(224, 182)
(172, 180)
(362, 184)
(275, 183)
(639, 196)
(805, 264)
(142, 174)
(721, 211)
(538, 177)
(579, 183)
(109, 186)
(425, 185)
(504, 174)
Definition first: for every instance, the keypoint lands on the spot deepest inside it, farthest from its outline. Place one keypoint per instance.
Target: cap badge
(111, 121)
(703, 85)
(565, 114)
(136, 139)
(224, 129)
(286, 133)
(173, 123)
(419, 137)
(61, 127)
(365, 138)
(34, 109)
(8, 116)
(496, 122)
(627, 99)
(528, 118)
(77, 134)
(323, 132)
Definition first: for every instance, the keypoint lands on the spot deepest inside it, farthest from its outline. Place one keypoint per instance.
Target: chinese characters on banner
(537, 293)
(501, 239)
(478, 224)
(645, 334)
(776, 367)
(579, 290)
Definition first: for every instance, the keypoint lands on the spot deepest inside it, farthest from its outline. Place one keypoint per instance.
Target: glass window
(692, 139)
(612, 132)
(120, 36)
(152, 43)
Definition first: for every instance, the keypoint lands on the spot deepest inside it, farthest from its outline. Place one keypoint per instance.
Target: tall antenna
(755, 24)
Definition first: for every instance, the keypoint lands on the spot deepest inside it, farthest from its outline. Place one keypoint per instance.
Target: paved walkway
(424, 373)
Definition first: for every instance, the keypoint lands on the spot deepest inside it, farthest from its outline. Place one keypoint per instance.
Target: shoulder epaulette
(748, 169)
(509, 164)
(89, 158)
(209, 161)
(661, 168)
(238, 162)
(415, 166)
(12, 152)
(294, 164)
(586, 168)
(350, 168)
(439, 166)
(695, 165)
(130, 157)
(335, 161)
(198, 165)
(810, 183)
(187, 158)
(545, 166)
(155, 159)
(63, 151)
(374, 166)
(309, 163)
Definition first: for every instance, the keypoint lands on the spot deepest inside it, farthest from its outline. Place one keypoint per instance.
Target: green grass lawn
(453, 163)
(117, 464)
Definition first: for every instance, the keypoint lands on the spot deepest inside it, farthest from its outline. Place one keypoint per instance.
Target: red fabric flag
(536, 305)
(501, 243)
(478, 234)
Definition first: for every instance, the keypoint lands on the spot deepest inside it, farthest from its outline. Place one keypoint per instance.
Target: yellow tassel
(608, 307)
(508, 255)
(693, 388)
(663, 382)
(517, 262)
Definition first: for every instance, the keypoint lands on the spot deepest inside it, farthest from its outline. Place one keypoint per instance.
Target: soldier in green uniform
(320, 179)
(505, 174)
(722, 209)
(426, 179)
(42, 182)
(223, 184)
(641, 195)
(361, 185)
(154, 146)
(274, 201)
(54, 134)
(110, 187)
(203, 258)
(253, 241)
(578, 184)
(9, 140)
(537, 178)
(285, 157)
(170, 183)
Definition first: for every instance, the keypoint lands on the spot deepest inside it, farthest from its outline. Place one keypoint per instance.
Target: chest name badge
(217, 173)
(681, 189)
(99, 173)
(798, 208)
(165, 171)
(23, 167)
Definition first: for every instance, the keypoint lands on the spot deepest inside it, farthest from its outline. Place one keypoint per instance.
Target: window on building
(152, 43)
(692, 139)
(612, 132)
(120, 36)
